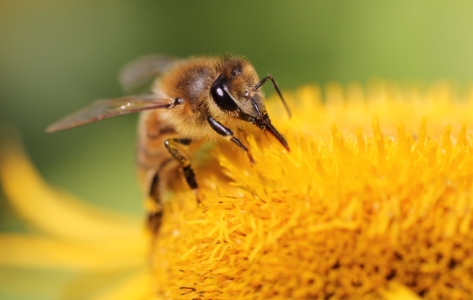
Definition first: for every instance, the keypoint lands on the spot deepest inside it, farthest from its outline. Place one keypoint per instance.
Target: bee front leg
(228, 134)
(173, 148)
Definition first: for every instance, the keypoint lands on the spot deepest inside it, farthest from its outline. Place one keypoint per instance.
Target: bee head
(236, 93)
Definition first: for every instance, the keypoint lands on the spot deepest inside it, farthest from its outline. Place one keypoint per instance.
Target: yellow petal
(138, 286)
(58, 213)
(44, 252)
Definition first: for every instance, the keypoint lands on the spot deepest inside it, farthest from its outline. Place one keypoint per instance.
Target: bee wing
(140, 72)
(104, 109)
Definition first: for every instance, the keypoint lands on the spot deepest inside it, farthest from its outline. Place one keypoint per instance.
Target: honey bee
(202, 98)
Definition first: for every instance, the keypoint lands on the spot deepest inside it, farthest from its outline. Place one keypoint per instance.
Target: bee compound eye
(221, 96)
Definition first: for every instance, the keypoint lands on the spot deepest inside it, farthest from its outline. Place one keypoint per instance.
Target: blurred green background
(58, 56)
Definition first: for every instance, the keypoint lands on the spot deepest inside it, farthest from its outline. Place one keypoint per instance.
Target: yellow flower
(374, 200)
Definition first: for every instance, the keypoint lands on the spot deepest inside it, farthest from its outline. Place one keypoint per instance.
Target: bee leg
(156, 213)
(155, 216)
(228, 134)
(172, 147)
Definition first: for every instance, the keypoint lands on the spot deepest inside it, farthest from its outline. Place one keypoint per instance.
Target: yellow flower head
(374, 200)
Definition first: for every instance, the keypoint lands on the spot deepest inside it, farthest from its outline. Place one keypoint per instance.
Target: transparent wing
(104, 109)
(142, 71)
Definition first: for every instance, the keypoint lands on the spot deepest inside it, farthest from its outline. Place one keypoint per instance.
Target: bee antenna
(263, 81)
